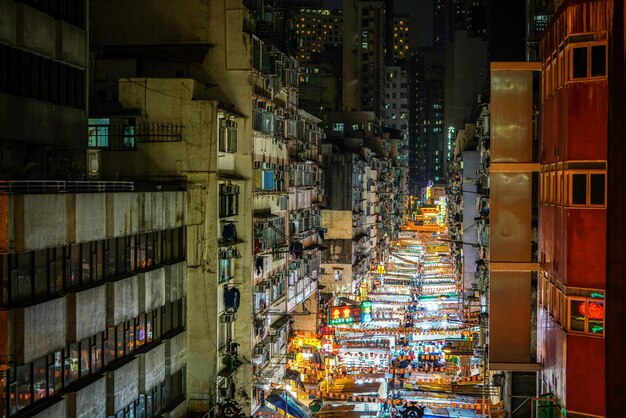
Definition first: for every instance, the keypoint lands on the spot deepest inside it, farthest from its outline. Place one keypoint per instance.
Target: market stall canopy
(287, 402)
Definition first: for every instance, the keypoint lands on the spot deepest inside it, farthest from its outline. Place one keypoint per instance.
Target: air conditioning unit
(93, 163)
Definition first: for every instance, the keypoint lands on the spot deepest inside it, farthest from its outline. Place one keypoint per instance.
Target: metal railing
(58, 186)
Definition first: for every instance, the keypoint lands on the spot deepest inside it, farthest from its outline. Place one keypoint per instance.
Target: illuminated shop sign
(366, 311)
(338, 315)
(346, 314)
(596, 310)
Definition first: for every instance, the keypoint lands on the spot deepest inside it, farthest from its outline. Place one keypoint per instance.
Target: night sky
(421, 11)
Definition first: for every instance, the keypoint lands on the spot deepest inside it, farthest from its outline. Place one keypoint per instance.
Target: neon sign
(595, 310)
(366, 311)
(338, 315)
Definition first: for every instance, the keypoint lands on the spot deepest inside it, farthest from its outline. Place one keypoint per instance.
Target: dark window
(41, 272)
(580, 63)
(109, 258)
(30, 75)
(579, 189)
(597, 189)
(598, 60)
(85, 353)
(21, 276)
(71, 368)
(40, 382)
(577, 317)
(86, 262)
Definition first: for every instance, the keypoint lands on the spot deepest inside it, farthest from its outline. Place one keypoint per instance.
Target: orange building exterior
(572, 281)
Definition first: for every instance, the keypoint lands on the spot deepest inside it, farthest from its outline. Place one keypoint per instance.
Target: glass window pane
(86, 262)
(41, 272)
(99, 260)
(75, 266)
(595, 317)
(40, 383)
(97, 362)
(577, 315)
(23, 386)
(597, 189)
(598, 60)
(579, 189)
(85, 352)
(21, 277)
(71, 368)
(580, 63)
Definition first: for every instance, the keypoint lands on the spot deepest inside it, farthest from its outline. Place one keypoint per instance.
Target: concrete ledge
(512, 266)
(516, 66)
(514, 167)
(515, 367)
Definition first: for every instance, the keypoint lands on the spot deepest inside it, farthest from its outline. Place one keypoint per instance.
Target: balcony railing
(53, 186)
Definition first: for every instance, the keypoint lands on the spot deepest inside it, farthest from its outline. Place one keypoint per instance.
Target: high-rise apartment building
(363, 55)
(396, 101)
(578, 326)
(216, 108)
(430, 132)
(320, 45)
(93, 272)
(400, 36)
(317, 30)
(538, 14)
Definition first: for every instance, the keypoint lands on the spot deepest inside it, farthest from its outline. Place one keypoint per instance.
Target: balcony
(53, 186)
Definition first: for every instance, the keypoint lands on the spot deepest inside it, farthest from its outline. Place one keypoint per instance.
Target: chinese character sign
(338, 315)
(366, 311)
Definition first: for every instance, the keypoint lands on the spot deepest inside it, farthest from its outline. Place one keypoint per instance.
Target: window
(33, 275)
(227, 135)
(587, 188)
(598, 60)
(586, 315)
(229, 199)
(98, 132)
(128, 132)
(579, 64)
(338, 127)
(588, 61)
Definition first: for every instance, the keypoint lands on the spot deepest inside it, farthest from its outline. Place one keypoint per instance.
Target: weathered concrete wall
(43, 328)
(179, 412)
(85, 217)
(151, 288)
(175, 283)
(90, 215)
(176, 353)
(91, 401)
(90, 312)
(151, 368)
(59, 409)
(122, 300)
(339, 224)
(39, 231)
(122, 387)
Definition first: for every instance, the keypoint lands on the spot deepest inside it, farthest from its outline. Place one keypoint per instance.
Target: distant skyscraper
(538, 14)
(431, 147)
(363, 53)
(317, 30)
(400, 38)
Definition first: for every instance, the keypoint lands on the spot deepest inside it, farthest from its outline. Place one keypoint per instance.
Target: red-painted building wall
(572, 224)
